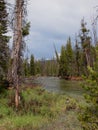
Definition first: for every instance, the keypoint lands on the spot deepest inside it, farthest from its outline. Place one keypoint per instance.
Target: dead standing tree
(17, 43)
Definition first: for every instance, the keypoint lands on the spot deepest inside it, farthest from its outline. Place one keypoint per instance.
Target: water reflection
(49, 83)
(54, 84)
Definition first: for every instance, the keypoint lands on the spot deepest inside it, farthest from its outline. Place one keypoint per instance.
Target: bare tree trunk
(17, 48)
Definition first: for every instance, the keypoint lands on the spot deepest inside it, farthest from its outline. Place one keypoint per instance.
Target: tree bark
(17, 41)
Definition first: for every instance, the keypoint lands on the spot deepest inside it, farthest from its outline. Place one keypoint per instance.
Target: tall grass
(37, 108)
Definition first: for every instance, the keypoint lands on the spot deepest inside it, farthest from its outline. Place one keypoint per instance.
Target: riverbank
(53, 106)
(38, 110)
(75, 78)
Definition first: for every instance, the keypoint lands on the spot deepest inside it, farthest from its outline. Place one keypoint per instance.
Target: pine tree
(38, 68)
(77, 58)
(89, 115)
(32, 66)
(26, 68)
(4, 50)
(63, 63)
(70, 57)
(85, 40)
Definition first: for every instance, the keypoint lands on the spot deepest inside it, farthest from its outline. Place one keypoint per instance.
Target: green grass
(37, 109)
(26, 122)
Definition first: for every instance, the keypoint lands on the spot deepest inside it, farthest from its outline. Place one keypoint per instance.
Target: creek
(57, 85)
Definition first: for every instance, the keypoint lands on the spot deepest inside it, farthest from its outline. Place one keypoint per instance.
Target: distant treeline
(72, 61)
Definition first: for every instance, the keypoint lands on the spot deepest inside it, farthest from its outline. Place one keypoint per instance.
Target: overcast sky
(53, 21)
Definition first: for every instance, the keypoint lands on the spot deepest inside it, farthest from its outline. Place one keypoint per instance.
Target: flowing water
(55, 84)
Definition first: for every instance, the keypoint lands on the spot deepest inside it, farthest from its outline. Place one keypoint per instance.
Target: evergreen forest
(25, 104)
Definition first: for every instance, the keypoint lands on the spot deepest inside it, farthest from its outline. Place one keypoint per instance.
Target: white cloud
(55, 20)
(59, 15)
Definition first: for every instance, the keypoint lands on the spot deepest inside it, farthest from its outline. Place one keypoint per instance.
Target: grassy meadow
(38, 110)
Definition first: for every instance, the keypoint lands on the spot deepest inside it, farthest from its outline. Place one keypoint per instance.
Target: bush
(89, 114)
